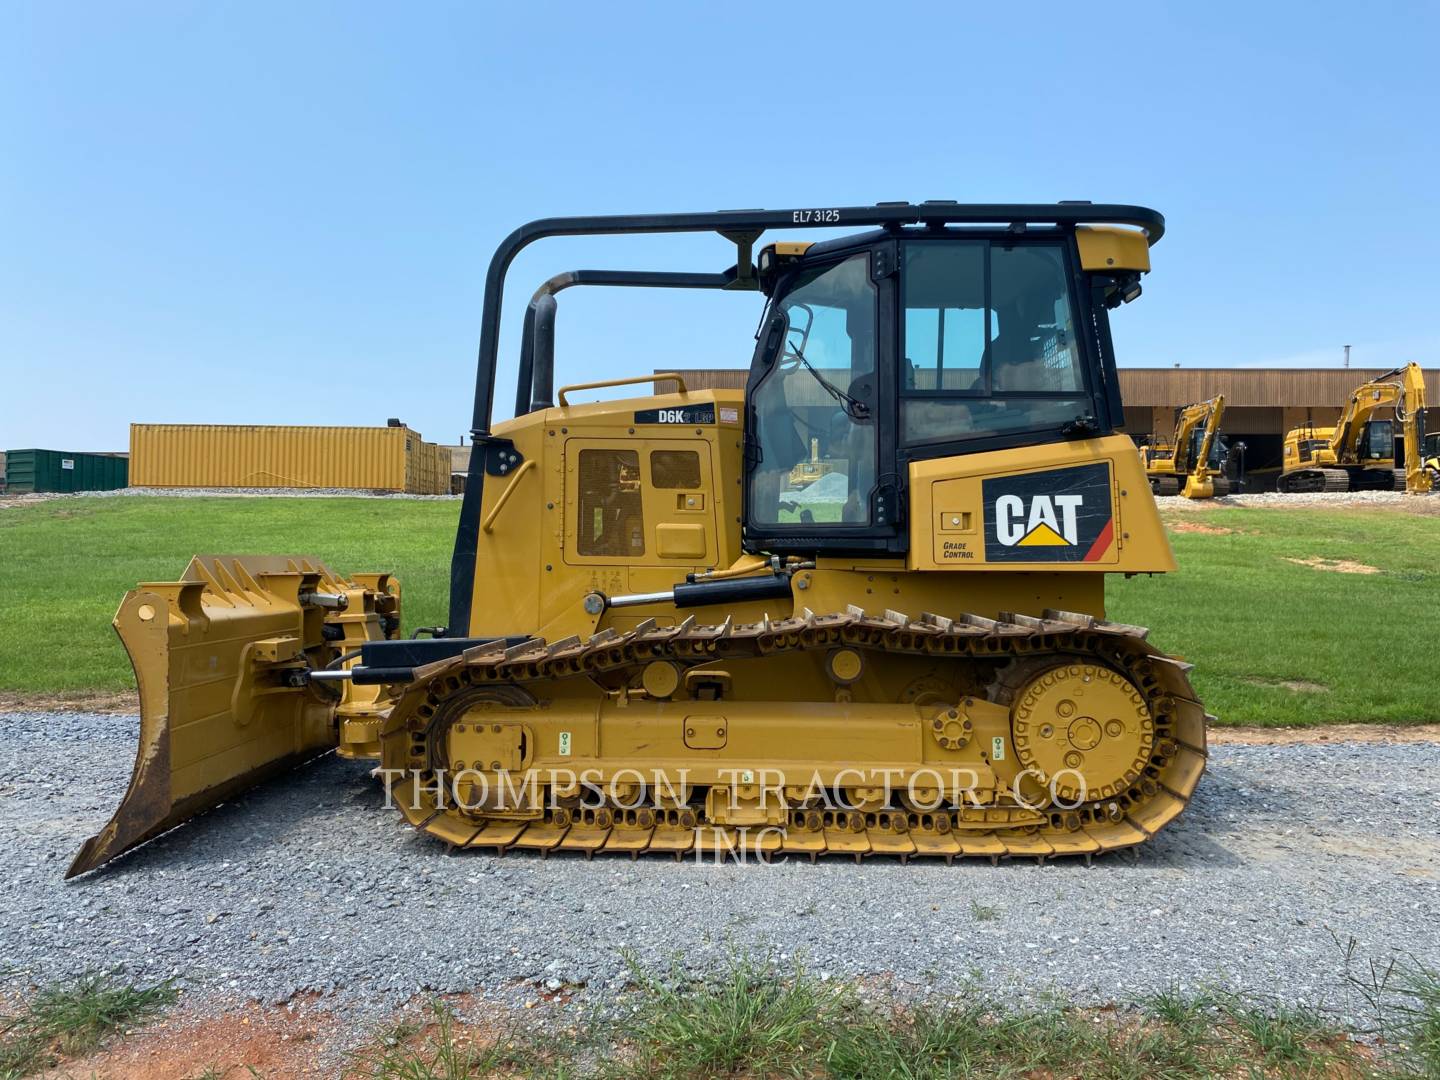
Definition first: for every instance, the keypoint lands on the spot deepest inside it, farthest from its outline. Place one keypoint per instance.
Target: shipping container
(62, 470)
(282, 456)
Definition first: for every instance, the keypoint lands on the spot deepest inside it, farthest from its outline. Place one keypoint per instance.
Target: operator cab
(913, 343)
(1219, 449)
(1377, 441)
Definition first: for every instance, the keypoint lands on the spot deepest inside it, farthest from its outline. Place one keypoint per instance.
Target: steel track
(1154, 797)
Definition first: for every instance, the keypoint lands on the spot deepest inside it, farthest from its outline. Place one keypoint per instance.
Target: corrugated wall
(1271, 388)
(62, 470)
(253, 455)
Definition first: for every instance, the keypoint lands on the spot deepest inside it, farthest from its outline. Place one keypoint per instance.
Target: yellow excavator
(1195, 461)
(1430, 460)
(663, 637)
(1358, 453)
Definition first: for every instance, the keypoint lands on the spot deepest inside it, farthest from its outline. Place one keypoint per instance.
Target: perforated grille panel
(612, 519)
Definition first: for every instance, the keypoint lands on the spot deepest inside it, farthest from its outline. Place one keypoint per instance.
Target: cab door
(639, 502)
(1377, 443)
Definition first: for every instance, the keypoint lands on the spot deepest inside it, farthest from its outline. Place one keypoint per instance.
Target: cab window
(675, 468)
(814, 408)
(989, 341)
(1379, 440)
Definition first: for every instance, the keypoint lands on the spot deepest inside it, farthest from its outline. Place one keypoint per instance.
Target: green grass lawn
(1273, 642)
(1354, 648)
(65, 565)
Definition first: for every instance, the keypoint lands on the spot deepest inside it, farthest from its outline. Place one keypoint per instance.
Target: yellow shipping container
(261, 455)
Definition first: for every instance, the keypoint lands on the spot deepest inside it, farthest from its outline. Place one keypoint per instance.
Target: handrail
(743, 228)
(535, 385)
(656, 377)
(489, 522)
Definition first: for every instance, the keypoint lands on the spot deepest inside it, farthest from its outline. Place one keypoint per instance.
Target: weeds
(447, 1052)
(749, 1019)
(1416, 1016)
(983, 912)
(1293, 1040)
(75, 1018)
(758, 1020)
(1405, 997)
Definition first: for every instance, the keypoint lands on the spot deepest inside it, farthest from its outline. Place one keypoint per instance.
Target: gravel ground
(1428, 503)
(309, 884)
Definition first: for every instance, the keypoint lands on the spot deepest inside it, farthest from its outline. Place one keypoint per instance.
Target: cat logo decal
(1059, 515)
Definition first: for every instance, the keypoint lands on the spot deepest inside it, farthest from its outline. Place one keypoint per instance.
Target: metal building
(1261, 404)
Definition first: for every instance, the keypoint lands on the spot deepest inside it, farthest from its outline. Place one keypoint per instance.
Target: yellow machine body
(533, 562)
(1186, 464)
(1357, 453)
(653, 658)
(220, 658)
(1429, 463)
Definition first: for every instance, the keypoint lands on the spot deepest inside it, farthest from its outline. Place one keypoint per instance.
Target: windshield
(814, 407)
(1218, 447)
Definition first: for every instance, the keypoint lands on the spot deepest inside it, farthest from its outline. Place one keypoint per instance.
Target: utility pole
(1347, 356)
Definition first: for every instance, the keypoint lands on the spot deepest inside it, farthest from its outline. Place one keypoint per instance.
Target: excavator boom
(1187, 465)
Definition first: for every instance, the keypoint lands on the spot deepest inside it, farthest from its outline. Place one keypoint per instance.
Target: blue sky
(281, 213)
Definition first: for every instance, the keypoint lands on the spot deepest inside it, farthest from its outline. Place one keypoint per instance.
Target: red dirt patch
(1337, 566)
(303, 1040)
(1361, 733)
(1295, 686)
(96, 701)
(1198, 527)
(275, 1042)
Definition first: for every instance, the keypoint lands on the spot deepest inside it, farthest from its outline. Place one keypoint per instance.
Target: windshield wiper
(853, 407)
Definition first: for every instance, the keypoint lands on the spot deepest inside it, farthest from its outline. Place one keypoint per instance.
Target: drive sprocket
(1084, 730)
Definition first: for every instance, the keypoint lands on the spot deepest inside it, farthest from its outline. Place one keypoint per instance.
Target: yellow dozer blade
(221, 659)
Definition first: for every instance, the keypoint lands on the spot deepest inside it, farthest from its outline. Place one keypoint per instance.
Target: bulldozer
(1195, 461)
(662, 638)
(1358, 453)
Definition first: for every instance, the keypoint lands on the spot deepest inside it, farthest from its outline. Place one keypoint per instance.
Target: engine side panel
(1076, 506)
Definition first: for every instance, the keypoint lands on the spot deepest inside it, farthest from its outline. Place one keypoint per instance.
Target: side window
(990, 341)
(944, 317)
(814, 407)
(611, 514)
(1036, 350)
(675, 469)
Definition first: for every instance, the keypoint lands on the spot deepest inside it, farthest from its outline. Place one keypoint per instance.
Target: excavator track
(1331, 481)
(1310, 481)
(1027, 657)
